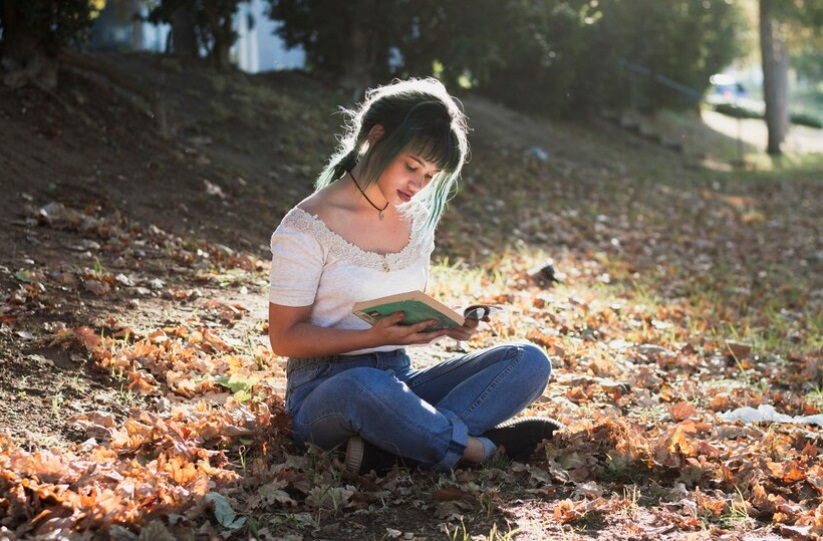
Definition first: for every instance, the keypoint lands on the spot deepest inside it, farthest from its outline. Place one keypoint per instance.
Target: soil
(222, 175)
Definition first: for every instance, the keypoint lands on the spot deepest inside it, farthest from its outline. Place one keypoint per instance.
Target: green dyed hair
(417, 116)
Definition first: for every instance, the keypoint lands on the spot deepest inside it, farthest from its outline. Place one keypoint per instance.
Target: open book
(417, 307)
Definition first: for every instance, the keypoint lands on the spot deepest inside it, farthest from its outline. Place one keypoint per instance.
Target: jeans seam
(422, 381)
(493, 384)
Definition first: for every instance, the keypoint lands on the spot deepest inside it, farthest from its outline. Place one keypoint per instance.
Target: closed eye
(416, 163)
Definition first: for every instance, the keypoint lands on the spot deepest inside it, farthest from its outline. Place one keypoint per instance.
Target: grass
(737, 514)
(815, 397)
(791, 166)
(459, 280)
(461, 533)
(57, 401)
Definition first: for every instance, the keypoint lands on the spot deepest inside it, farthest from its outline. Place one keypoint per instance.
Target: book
(418, 306)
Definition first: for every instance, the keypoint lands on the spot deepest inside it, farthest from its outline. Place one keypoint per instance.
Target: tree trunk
(23, 56)
(183, 35)
(775, 58)
(17, 44)
(223, 39)
(360, 58)
(220, 53)
(136, 26)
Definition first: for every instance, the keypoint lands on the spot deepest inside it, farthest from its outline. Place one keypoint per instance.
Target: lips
(404, 196)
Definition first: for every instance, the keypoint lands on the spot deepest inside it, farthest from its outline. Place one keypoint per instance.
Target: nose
(417, 183)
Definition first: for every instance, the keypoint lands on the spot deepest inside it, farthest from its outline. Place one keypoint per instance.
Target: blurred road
(800, 139)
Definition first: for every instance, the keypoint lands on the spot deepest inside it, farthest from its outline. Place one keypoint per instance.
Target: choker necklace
(378, 209)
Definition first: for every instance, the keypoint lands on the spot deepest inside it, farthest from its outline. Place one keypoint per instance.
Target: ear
(376, 133)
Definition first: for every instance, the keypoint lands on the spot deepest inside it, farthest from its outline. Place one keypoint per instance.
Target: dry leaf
(682, 411)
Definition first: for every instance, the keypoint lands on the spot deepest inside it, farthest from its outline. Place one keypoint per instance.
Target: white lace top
(313, 265)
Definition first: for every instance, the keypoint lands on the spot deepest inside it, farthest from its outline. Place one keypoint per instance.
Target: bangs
(444, 152)
(427, 132)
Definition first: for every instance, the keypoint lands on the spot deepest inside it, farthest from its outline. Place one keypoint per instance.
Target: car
(725, 89)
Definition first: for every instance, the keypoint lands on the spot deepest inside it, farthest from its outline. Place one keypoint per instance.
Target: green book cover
(417, 307)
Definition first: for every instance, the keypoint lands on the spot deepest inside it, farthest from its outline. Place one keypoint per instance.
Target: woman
(366, 232)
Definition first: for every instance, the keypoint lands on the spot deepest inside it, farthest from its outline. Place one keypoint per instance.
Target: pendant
(381, 215)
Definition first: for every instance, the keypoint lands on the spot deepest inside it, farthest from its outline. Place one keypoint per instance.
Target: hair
(417, 116)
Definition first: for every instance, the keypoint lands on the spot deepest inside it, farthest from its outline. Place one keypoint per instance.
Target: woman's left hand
(466, 331)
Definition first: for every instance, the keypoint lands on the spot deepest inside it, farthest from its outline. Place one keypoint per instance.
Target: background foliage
(45, 25)
(212, 21)
(550, 56)
(553, 56)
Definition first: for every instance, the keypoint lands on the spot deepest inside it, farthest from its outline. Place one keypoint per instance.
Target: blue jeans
(423, 415)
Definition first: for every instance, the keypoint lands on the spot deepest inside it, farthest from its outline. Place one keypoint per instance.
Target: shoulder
(330, 206)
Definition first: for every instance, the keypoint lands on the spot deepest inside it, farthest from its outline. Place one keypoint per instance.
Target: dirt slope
(92, 156)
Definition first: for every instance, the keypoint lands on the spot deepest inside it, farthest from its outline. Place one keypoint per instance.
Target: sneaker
(363, 457)
(520, 437)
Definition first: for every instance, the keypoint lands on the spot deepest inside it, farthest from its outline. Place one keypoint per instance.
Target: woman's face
(404, 176)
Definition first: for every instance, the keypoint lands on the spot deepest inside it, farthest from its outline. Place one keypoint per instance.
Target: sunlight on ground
(803, 147)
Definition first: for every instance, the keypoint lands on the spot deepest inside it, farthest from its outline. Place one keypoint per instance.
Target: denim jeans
(423, 415)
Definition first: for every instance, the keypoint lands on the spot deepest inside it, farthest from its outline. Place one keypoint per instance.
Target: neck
(371, 196)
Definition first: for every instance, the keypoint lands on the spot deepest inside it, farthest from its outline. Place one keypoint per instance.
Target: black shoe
(363, 457)
(520, 437)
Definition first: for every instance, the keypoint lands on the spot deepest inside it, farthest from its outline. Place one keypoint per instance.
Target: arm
(291, 334)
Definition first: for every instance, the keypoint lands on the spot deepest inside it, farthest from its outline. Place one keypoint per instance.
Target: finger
(471, 323)
(422, 326)
(459, 334)
(427, 337)
(463, 333)
(392, 319)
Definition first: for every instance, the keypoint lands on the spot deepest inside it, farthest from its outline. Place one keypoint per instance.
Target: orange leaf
(90, 339)
(448, 493)
(793, 473)
(682, 411)
(810, 450)
(566, 511)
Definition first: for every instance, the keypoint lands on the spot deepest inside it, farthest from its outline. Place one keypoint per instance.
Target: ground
(753, 132)
(138, 396)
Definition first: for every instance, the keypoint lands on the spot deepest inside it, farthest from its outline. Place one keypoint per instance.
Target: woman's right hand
(388, 331)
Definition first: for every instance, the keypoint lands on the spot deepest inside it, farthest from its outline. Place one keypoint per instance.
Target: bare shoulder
(329, 205)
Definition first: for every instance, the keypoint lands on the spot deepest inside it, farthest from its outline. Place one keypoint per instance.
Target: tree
(183, 34)
(459, 44)
(34, 32)
(775, 61)
(213, 22)
(779, 20)
(568, 55)
(558, 56)
(350, 42)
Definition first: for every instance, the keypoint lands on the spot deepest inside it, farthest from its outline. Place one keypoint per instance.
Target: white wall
(258, 48)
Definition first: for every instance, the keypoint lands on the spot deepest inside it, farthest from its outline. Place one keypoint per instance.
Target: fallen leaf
(682, 411)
